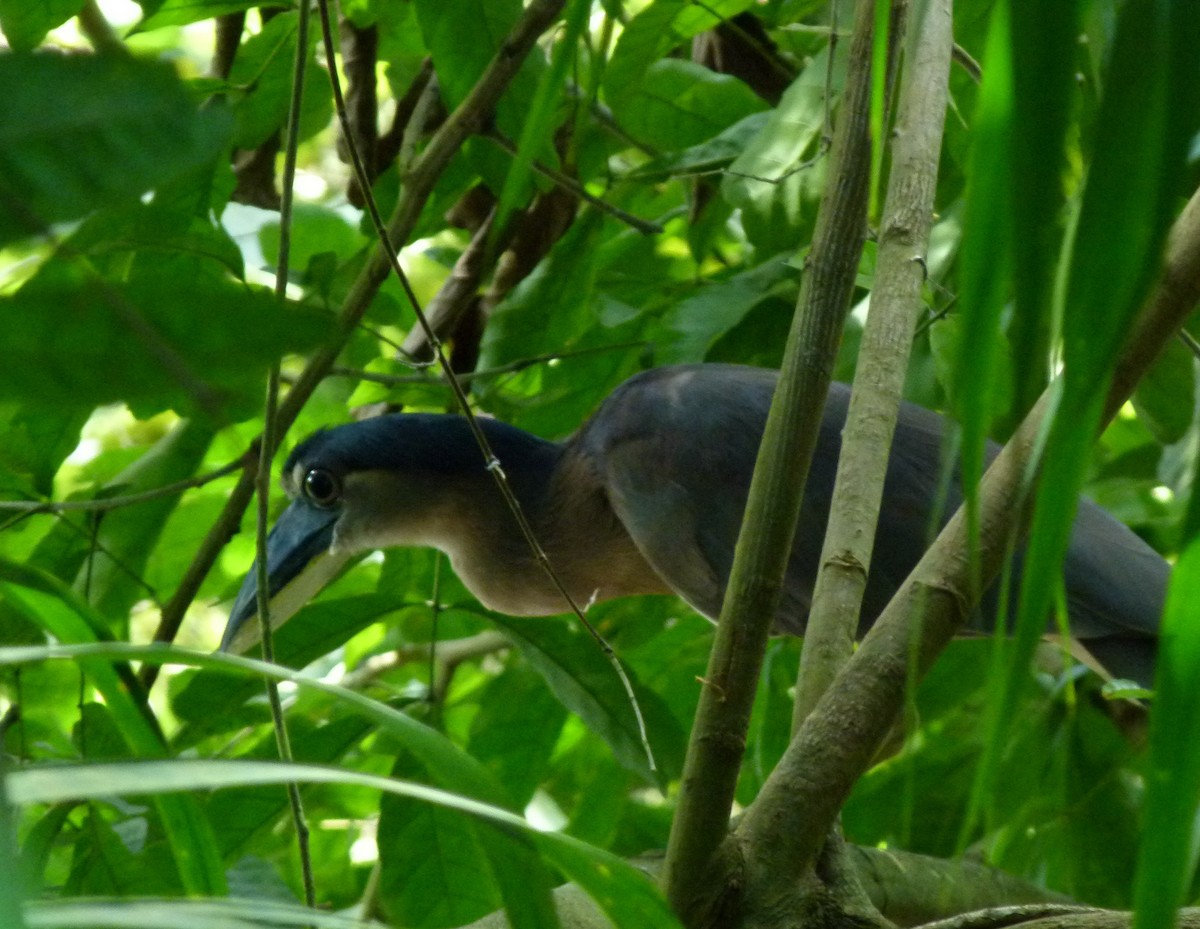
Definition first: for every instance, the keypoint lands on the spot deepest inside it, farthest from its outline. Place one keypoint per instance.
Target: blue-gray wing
(675, 448)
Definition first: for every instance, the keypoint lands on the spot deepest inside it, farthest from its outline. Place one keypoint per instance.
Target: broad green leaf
(131, 127)
(160, 13)
(240, 813)
(316, 231)
(661, 27)
(462, 37)
(198, 344)
(262, 73)
(708, 155)
(550, 306)
(516, 730)
(33, 447)
(681, 103)
(126, 536)
(1165, 397)
(579, 673)
(776, 181)
(104, 865)
(433, 871)
(700, 319)
(947, 343)
(119, 240)
(26, 22)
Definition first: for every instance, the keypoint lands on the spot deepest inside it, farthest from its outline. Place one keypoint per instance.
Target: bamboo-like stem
(882, 360)
(719, 733)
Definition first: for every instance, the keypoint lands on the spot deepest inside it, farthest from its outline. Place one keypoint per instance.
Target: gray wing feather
(676, 448)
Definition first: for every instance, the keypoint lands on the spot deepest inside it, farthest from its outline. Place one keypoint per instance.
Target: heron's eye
(321, 487)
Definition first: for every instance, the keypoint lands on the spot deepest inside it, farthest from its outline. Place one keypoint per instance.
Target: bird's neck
(567, 509)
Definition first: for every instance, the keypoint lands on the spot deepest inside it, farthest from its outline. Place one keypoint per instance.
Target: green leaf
(771, 181)
(1044, 84)
(579, 673)
(119, 239)
(700, 319)
(462, 37)
(105, 865)
(181, 12)
(126, 536)
(658, 29)
(986, 258)
(1167, 853)
(33, 447)
(239, 814)
(621, 891)
(316, 231)
(516, 730)
(130, 128)
(195, 344)
(681, 103)
(26, 22)
(708, 155)
(432, 868)
(1165, 398)
(263, 71)
(549, 306)
(52, 606)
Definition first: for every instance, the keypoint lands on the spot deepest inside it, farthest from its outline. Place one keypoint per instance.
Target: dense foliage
(139, 239)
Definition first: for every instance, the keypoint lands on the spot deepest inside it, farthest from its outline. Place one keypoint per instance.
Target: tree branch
(836, 743)
(718, 735)
(882, 361)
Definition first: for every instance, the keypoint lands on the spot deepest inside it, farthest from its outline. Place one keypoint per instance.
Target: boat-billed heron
(646, 498)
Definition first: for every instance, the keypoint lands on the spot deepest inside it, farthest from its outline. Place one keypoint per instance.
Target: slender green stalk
(719, 733)
(883, 359)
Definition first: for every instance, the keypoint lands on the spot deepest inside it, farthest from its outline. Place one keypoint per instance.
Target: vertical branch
(719, 733)
(882, 360)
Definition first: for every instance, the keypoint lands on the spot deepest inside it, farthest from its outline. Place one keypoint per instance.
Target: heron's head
(392, 480)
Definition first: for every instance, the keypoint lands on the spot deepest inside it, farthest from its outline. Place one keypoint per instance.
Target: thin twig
(266, 452)
(33, 507)
(645, 227)
(398, 380)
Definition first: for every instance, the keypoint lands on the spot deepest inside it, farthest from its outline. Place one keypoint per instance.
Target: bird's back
(676, 447)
